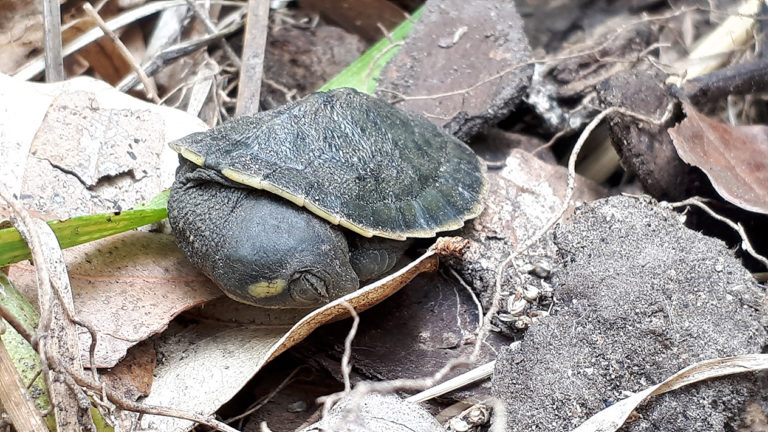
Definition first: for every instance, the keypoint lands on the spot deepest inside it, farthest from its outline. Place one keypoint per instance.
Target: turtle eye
(307, 288)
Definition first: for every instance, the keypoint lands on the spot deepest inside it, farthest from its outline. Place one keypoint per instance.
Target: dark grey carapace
(258, 202)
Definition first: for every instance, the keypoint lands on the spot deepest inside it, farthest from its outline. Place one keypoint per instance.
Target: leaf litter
(180, 347)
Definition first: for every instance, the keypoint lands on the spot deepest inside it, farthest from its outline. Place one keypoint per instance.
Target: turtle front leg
(373, 257)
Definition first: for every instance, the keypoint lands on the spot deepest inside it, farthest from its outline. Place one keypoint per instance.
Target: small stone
(542, 269)
(297, 407)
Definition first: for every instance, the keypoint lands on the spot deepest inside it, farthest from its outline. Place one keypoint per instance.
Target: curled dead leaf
(215, 361)
(362, 299)
(733, 157)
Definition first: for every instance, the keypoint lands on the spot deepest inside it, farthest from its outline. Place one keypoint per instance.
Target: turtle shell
(352, 159)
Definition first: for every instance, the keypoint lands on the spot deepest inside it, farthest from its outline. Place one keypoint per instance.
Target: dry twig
(479, 373)
(745, 244)
(264, 400)
(254, 48)
(212, 30)
(16, 323)
(474, 298)
(149, 86)
(54, 61)
(551, 141)
(346, 368)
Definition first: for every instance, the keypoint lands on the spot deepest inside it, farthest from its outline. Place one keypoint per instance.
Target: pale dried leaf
(115, 154)
(613, 417)
(128, 286)
(733, 157)
(94, 143)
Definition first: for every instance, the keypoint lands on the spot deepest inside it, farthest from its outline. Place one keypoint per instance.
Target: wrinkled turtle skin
(295, 206)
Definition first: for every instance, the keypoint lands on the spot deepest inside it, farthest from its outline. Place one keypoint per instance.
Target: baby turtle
(258, 202)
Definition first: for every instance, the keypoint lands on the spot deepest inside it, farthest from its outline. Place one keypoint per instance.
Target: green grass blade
(25, 358)
(83, 229)
(363, 72)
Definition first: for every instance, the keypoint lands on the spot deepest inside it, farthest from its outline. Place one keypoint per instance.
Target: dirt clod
(638, 298)
(458, 45)
(646, 150)
(299, 60)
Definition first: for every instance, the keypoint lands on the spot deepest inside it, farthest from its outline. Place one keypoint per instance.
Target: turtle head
(304, 288)
(278, 255)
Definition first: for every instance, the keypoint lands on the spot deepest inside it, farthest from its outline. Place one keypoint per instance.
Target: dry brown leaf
(133, 376)
(128, 287)
(735, 158)
(213, 361)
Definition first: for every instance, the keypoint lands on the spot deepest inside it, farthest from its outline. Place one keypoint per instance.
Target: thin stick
(149, 86)
(466, 89)
(479, 373)
(54, 62)
(372, 66)
(551, 141)
(745, 244)
(254, 48)
(212, 30)
(346, 368)
(474, 298)
(258, 405)
(16, 323)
